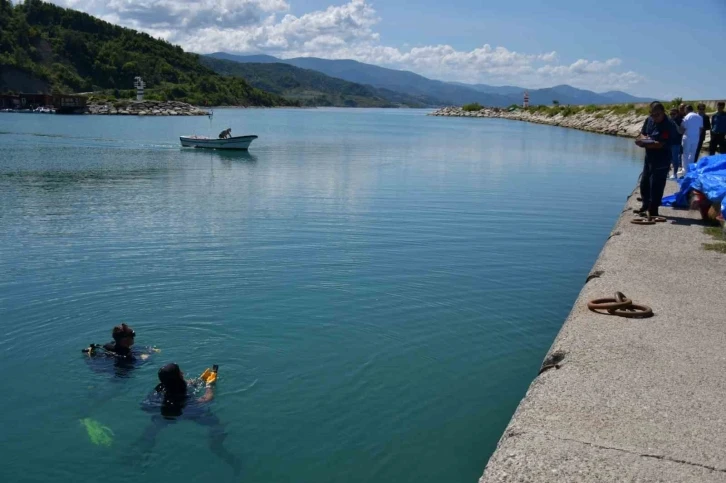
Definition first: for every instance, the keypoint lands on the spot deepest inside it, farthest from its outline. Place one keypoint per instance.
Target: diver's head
(123, 335)
(172, 379)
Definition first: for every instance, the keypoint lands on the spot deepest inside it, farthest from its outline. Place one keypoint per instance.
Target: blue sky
(663, 48)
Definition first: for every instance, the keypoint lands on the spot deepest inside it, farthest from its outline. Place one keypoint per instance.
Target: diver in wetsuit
(123, 339)
(117, 359)
(121, 351)
(174, 399)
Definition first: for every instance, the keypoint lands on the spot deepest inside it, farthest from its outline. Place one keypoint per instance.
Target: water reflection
(223, 154)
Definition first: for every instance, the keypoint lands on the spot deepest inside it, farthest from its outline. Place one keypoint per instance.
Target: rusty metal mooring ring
(610, 303)
(633, 311)
(621, 306)
(642, 221)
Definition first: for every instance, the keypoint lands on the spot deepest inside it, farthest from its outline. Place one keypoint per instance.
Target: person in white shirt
(691, 129)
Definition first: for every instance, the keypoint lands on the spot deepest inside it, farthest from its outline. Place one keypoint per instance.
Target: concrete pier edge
(632, 399)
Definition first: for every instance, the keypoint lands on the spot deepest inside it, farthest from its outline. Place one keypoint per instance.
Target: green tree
(74, 51)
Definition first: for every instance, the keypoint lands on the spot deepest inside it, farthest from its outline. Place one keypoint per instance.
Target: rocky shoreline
(602, 122)
(146, 108)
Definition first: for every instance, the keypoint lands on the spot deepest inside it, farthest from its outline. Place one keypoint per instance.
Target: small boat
(235, 142)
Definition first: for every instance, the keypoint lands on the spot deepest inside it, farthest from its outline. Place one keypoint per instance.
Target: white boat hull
(236, 142)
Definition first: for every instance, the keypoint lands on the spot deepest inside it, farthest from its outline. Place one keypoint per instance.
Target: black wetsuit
(114, 350)
(702, 137)
(120, 361)
(166, 411)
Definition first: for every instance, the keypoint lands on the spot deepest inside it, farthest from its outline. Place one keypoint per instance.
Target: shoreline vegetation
(625, 120)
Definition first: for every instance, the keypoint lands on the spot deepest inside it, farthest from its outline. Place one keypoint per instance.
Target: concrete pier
(634, 399)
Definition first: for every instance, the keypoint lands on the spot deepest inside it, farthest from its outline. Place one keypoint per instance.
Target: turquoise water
(378, 287)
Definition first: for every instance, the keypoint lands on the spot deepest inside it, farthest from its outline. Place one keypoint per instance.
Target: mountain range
(434, 92)
(309, 87)
(46, 48)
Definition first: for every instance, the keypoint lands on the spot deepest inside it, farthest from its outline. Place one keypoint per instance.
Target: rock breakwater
(601, 121)
(604, 122)
(146, 108)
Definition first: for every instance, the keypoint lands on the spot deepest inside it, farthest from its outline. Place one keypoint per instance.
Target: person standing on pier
(658, 135)
(691, 130)
(718, 130)
(706, 127)
(676, 148)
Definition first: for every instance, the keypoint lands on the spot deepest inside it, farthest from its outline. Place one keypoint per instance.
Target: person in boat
(175, 399)
(227, 133)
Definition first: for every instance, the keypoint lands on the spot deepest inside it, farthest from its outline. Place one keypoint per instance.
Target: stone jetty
(146, 108)
(602, 121)
(632, 400)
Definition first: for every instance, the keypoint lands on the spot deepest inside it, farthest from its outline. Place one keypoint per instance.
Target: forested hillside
(308, 87)
(47, 48)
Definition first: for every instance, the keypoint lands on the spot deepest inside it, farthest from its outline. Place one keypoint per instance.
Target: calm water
(378, 287)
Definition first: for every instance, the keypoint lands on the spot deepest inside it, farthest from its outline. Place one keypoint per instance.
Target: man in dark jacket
(718, 131)
(706, 128)
(676, 148)
(657, 137)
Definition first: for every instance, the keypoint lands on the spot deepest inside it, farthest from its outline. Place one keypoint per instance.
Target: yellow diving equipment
(210, 375)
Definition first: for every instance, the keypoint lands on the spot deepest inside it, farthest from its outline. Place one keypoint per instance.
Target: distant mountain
(571, 95)
(564, 94)
(433, 92)
(430, 92)
(308, 87)
(253, 59)
(622, 97)
(487, 89)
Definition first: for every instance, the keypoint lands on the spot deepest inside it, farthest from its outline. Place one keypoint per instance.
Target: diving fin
(99, 434)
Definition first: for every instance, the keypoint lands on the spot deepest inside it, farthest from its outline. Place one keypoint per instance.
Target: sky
(653, 48)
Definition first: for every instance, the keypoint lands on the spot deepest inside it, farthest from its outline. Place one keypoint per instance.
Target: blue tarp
(709, 177)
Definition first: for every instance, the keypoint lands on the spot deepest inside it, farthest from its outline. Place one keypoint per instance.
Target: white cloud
(179, 14)
(343, 32)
